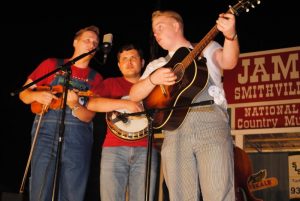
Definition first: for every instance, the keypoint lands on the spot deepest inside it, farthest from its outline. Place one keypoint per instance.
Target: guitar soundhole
(179, 71)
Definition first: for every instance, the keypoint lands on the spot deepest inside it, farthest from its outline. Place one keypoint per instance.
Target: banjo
(127, 127)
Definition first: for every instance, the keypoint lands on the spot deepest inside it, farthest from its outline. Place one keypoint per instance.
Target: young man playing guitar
(124, 152)
(198, 151)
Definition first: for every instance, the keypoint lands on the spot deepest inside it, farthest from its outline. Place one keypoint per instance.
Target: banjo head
(134, 128)
(129, 127)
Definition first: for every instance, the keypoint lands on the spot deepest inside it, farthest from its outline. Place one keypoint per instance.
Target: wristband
(151, 80)
(231, 39)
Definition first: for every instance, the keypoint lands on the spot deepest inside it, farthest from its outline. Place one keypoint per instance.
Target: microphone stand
(62, 67)
(55, 185)
(67, 68)
(149, 114)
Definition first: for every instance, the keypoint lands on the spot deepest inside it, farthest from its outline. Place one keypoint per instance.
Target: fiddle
(242, 171)
(55, 104)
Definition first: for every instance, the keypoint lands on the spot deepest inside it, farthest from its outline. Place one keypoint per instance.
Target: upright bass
(242, 171)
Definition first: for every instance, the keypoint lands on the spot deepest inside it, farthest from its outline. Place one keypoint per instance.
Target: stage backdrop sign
(263, 91)
(294, 176)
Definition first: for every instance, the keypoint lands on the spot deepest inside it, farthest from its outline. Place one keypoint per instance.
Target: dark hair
(128, 47)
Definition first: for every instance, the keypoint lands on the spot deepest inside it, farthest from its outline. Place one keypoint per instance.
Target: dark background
(31, 32)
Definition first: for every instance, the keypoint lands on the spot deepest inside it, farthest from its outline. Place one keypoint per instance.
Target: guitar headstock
(243, 5)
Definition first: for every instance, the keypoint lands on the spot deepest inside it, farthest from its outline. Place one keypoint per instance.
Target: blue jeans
(124, 168)
(75, 158)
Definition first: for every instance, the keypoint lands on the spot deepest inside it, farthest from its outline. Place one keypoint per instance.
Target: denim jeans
(124, 168)
(75, 158)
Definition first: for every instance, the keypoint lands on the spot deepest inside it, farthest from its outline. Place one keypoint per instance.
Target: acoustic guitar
(192, 77)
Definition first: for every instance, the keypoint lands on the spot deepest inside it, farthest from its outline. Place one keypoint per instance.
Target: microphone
(123, 118)
(106, 46)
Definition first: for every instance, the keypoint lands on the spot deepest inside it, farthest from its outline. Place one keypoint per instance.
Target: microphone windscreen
(108, 38)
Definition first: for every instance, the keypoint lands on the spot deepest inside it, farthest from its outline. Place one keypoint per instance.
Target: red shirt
(118, 88)
(50, 65)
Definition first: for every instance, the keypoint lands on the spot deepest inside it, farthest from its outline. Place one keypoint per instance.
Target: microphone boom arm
(62, 67)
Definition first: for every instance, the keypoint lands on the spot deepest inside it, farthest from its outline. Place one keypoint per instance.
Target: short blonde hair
(168, 13)
(92, 28)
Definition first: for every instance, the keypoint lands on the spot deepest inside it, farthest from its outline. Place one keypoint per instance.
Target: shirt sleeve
(46, 66)
(152, 66)
(213, 68)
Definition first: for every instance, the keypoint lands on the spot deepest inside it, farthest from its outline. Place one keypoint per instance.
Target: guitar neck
(213, 33)
(200, 46)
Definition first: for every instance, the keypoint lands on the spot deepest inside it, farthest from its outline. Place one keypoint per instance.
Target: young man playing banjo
(124, 152)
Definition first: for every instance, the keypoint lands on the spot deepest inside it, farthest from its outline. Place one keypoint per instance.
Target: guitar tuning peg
(252, 6)
(258, 2)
